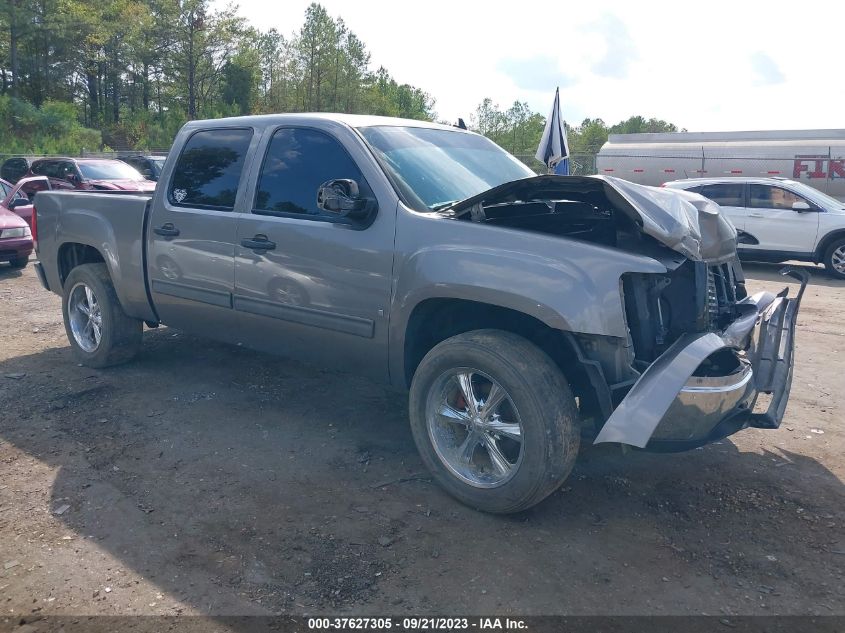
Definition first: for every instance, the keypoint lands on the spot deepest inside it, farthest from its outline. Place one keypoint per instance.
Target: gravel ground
(209, 479)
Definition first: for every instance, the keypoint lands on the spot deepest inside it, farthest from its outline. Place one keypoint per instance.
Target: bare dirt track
(208, 479)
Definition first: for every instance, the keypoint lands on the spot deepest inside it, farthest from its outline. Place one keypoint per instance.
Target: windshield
(434, 168)
(108, 170)
(822, 199)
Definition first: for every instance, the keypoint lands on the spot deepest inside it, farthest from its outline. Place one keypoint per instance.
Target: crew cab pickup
(522, 312)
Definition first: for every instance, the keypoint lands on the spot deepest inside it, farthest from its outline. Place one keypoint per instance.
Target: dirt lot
(207, 479)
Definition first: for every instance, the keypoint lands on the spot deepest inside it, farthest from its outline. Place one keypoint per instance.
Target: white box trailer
(815, 157)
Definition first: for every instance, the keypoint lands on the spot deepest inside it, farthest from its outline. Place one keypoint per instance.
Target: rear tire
(108, 336)
(19, 263)
(464, 445)
(834, 258)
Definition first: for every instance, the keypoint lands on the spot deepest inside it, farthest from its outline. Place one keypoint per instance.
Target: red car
(102, 174)
(18, 198)
(15, 239)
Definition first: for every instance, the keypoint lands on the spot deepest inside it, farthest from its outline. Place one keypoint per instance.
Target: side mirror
(342, 198)
(801, 206)
(19, 202)
(147, 173)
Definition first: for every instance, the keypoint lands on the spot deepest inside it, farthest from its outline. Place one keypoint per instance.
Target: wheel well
(435, 320)
(72, 255)
(826, 242)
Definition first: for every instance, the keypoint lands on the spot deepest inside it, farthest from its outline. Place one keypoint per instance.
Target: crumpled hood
(685, 222)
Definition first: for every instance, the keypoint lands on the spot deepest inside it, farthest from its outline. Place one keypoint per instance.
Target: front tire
(99, 331)
(494, 420)
(834, 258)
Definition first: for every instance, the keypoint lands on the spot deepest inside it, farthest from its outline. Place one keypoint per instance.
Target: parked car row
(127, 173)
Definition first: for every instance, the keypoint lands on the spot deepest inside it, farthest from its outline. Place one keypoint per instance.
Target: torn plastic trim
(769, 339)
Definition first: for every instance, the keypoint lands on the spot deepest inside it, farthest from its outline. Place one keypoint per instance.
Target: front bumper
(707, 386)
(15, 248)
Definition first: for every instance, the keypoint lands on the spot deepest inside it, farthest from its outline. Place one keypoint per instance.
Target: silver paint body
(337, 296)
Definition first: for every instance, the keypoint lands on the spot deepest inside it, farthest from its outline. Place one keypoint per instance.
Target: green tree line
(138, 69)
(80, 74)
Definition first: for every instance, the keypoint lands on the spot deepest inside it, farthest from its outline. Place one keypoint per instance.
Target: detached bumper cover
(670, 408)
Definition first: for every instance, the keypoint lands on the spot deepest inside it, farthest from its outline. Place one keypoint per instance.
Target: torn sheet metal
(768, 337)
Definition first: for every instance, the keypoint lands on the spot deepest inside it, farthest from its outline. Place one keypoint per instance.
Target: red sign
(818, 166)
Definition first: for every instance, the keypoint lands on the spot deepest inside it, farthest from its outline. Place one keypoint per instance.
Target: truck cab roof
(351, 120)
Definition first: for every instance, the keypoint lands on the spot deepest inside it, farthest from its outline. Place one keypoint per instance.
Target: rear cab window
(209, 169)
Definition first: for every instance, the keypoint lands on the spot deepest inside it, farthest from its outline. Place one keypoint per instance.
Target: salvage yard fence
(579, 164)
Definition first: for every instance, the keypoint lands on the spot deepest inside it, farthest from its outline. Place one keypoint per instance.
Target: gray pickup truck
(522, 312)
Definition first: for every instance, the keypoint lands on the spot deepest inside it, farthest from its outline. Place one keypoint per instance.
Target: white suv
(778, 219)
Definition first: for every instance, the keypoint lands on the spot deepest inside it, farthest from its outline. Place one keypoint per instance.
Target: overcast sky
(706, 67)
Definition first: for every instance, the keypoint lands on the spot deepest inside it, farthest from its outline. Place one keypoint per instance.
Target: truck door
(773, 222)
(308, 284)
(191, 234)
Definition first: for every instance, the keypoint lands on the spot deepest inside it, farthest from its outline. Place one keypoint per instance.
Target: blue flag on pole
(553, 149)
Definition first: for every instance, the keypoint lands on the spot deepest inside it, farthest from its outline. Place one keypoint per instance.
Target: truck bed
(113, 223)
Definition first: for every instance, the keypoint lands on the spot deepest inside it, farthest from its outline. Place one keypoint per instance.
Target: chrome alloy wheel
(86, 317)
(474, 427)
(837, 259)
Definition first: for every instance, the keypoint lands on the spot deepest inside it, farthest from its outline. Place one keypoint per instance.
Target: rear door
(772, 221)
(307, 284)
(50, 169)
(730, 196)
(192, 232)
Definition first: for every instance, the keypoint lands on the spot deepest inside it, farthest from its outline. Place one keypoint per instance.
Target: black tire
(19, 263)
(837, 245)
(538, 391)
(121, 335)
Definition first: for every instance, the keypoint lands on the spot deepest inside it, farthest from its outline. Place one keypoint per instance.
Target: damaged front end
(708, 384)
(702, 359)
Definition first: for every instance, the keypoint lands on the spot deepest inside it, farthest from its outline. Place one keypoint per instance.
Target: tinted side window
(298, 161)
(65, 169)
(725, 193)
(767, 197)
(209, 169)
(45, 168)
